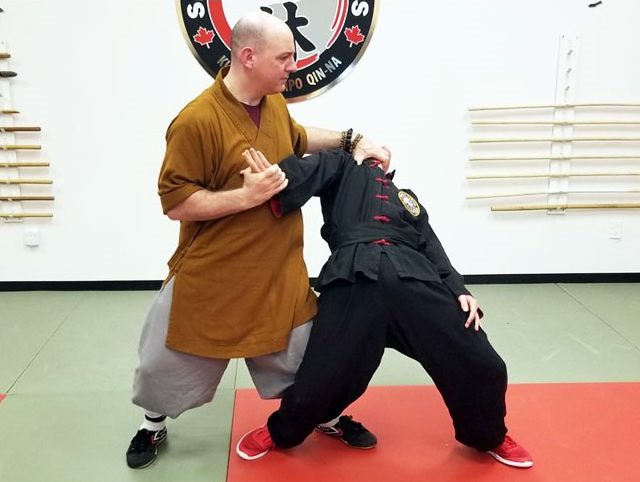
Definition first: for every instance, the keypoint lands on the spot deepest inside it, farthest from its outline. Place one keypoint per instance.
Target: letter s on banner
(196, 10)
(359, 8)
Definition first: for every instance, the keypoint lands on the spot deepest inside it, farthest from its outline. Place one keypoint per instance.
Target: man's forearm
(207, 205)
(361, 148)
(320, 139)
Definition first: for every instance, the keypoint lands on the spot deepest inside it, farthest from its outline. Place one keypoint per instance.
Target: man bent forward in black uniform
(387, 283)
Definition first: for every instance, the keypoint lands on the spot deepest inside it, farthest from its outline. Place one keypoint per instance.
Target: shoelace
(142, 440)
(348, 420)
(263, 437)
(508, 443)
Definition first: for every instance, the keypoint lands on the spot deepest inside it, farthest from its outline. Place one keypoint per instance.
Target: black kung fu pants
(422, 320)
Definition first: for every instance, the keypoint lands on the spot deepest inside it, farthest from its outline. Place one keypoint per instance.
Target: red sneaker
(510, 453)
(255, 444)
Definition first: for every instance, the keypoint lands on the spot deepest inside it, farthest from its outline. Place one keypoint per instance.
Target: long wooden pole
(544, 193)
(554, 158)
(15, 147)
(547, 207)
(19, 129)
(511, 194)
(554, 123)
(551, 174)
(26, 181)
(558, 139)
(550, 106)
(8, 165)
(9, 111)
(26, 215)
(26, 198)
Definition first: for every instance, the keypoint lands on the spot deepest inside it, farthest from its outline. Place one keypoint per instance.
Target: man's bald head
(254, 29)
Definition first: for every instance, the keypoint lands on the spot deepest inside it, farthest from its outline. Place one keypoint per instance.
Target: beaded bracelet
(345, 141)
(356, 139)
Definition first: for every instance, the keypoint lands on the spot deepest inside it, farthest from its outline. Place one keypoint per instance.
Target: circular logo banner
(330, 36)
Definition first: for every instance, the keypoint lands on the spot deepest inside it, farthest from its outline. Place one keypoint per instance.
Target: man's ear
(247, 57)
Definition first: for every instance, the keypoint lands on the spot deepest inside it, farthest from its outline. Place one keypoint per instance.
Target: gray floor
(67, 358)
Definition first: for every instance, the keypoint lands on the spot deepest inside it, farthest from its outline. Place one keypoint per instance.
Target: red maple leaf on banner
(354, 36)
(204, 36)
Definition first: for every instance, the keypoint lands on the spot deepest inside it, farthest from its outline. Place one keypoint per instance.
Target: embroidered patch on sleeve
(409, 203)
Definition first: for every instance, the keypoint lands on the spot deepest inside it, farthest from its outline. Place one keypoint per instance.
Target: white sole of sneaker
(354, 447)
(145, 465)
(511, 463)
(158, 443)
(337, 435)
(245, 456)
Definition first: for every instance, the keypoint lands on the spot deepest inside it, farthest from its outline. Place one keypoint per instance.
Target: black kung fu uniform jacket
(365, 214)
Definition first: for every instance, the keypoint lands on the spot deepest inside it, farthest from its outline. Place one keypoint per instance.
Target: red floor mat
(575, 432)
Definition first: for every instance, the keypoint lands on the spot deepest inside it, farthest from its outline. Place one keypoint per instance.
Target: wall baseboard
(476, 279)
(127, 285)
(484, 279)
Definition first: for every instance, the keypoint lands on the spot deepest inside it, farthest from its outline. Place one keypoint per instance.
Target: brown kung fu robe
(241, 284)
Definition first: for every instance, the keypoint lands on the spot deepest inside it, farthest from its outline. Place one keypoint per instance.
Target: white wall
(103, 79)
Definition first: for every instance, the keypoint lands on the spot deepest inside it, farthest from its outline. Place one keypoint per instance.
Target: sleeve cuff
(170, 199)
(276, 207)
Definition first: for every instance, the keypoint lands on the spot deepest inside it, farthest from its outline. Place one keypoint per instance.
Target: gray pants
(170, 382)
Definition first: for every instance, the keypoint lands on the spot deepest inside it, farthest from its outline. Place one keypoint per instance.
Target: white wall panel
(104, 79)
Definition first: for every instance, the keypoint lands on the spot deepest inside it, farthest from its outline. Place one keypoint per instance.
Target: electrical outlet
(615, 231)
(32, 237)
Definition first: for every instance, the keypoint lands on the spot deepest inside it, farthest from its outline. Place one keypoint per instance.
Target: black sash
(373, 231)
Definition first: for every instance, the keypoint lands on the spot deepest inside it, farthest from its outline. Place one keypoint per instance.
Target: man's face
(274, 62)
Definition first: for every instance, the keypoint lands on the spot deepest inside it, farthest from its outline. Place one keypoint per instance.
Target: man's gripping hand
(366, 149)
(262, 180)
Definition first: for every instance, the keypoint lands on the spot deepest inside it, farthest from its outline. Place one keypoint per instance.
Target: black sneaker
(143, 448)
(352, 433)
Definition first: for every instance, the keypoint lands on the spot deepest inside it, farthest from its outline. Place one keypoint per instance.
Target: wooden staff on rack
(26, 181)
(550, 106)
(9, 165)
(5, 55)
(559, 207)
(19, 129)
(16, 147)
(558, 139)
(26, 198)
(25, 215)
(554, 158)
(9, 111)
(555, 123)
(551, 174)
(548, 193)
